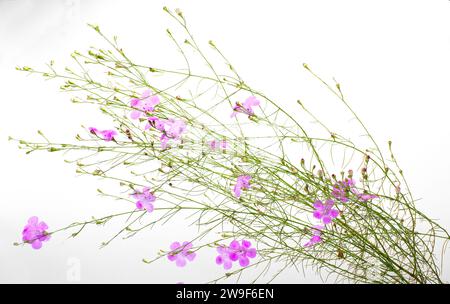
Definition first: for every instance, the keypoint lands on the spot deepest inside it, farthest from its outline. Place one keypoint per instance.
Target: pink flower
(236, 251)
(246, 107)
(107, 135)
(342, 189)
(145, 199)
(173, 128)
(243, 182)
(170, 129)
(146, 103)
(156, 123)
(325, 212)
(35, 232)
(181, 253)
(366, 196)
(218, 144)
(316, 236)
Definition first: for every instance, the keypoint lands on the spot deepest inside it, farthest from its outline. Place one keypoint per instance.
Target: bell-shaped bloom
(106, 135)
(316, 236)
(366, 196)
(35, 232)
(145, 104)
(246, 107)
(242, 182)
(181, 253)
(145, 199)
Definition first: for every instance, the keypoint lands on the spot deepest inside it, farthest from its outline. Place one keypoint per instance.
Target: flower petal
(227, 264)
(135, 114)
(33, 220)
(318, 205)
(181, 261)
(251, 253)
(326, 219)
(172, 257)
(175, 245)
(37, 244)
(233, 256)
(191, 256)
(246, 244)
(244, 261)
(187, 246)
(235, 245)
(334, 213)
(135, 102)
(149, 207)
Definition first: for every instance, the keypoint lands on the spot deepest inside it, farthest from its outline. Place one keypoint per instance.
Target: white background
(391, 57)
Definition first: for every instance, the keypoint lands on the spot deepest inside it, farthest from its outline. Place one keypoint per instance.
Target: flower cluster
(236, 251)
(342, 189)
(325, 211)
(35, 232)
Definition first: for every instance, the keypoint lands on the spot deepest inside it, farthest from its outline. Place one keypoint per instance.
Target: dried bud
(179, 12)
(320, 173)
(350, 173)
(397, 189)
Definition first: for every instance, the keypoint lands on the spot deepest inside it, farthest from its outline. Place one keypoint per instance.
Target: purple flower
(35, 232)
(325, 211)
(236, 251)
(316, 236)
(180, 253)
(342, 189)
(156, 123)
(145, 199)
(146, 103)
(246, 107)
(243, 182)
(170, 128)
(366, 196)
(218, 144)
(107, 135)
(173, 128)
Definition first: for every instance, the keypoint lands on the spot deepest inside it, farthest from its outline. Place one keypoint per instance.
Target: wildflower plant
(250, 173)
